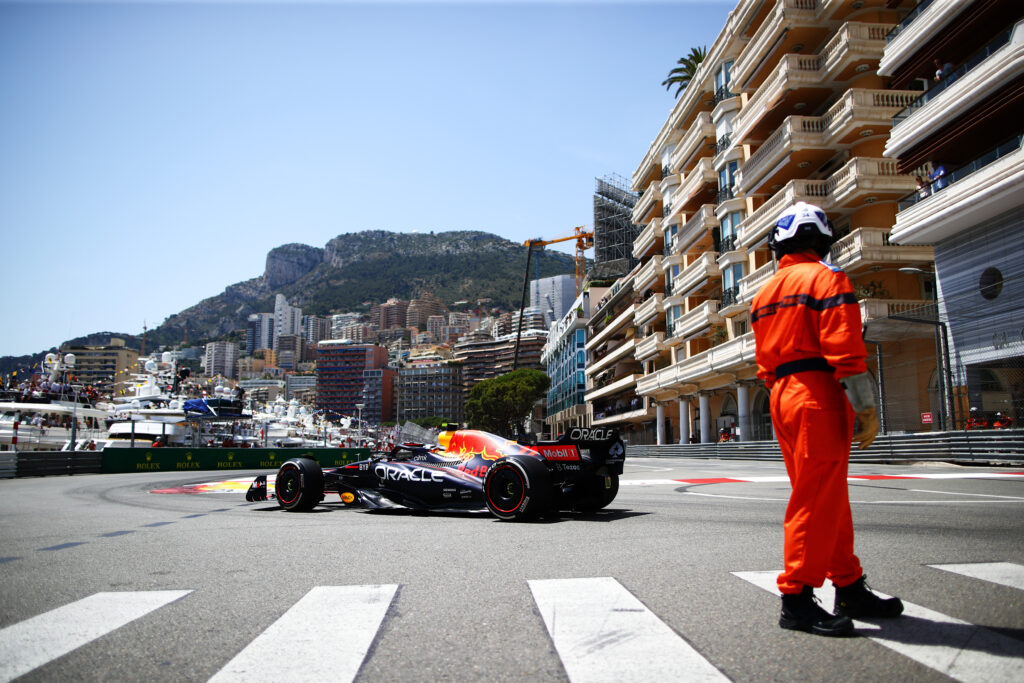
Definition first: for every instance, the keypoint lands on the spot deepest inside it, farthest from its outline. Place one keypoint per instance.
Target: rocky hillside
(354, 271)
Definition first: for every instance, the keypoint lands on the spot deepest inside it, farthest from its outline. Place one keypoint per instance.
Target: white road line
(960, 493)
(603, 633)
(958, 649)
(36, 641)
(325, 635)
(1003, 573)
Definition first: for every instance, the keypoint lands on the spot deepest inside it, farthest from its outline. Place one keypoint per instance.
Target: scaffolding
(614, 231)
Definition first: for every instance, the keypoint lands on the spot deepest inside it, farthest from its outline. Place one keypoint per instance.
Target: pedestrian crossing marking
(603, 633)
(1003, 573)
(329, 631)
(31, 643)
(958, 649)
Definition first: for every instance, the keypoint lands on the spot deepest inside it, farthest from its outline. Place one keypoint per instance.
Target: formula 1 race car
(470, 470)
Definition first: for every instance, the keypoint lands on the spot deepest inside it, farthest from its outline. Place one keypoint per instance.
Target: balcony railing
(728, 243)
(723, 93)
(700, 222)
(751, 283)
(723, 143)
(934, 91)
(942, 182)
(692, 141)
(730, 296)
(907, 20)
(725, 194)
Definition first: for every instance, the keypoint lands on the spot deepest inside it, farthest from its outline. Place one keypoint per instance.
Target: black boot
(857, 601)
(801, 612)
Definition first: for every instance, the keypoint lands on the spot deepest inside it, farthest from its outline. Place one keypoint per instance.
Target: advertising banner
(121, 460)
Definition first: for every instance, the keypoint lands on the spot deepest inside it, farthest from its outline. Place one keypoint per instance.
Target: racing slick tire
(300, 485)
(518, 488)
(596, 492)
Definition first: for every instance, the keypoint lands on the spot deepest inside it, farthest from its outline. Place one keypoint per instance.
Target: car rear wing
(593, 446)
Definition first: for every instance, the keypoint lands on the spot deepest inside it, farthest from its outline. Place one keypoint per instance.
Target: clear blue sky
(153, 153)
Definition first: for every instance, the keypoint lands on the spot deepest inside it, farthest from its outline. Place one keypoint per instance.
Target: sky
(154, 152)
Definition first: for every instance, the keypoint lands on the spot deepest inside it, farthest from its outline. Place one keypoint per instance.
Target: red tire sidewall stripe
(283, 500)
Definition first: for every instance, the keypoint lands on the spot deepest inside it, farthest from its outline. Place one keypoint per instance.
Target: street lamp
(359, 421)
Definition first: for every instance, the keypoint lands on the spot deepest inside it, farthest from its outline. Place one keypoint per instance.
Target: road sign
(926, 418)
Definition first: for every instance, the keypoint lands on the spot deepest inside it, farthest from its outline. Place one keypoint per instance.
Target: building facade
(259, 332)
(552, 296)
(962, 136)
(787, 106)
(431, 389)
(287, 319)
(221, 359)
(339, 370)
(564, 357)
(102, 365)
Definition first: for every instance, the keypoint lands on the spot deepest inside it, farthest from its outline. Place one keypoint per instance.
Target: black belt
(802, 365)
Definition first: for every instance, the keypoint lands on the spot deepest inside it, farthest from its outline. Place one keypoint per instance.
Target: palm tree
(686, 69)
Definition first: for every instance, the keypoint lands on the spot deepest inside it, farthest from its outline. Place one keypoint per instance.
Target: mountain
(352, 272)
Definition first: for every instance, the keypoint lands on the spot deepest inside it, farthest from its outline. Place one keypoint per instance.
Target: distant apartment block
(221, 357)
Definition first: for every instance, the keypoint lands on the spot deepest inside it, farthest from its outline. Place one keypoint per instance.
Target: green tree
(685, 70)
(501, 404)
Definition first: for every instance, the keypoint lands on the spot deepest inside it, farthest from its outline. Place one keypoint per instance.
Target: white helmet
(802, 220)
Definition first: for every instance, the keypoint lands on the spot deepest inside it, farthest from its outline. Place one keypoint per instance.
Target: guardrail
(983, 446)
(121, 460)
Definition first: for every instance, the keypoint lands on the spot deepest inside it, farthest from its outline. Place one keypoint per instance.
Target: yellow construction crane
(584, 240)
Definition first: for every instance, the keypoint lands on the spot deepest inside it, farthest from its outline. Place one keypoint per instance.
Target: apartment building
(220, 359)
(787, 106)
(340, 370)
(962, 136)
(431, 389)
(565, 361)
(102, 365)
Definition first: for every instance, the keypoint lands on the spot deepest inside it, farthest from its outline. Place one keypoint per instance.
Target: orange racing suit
(807, 328)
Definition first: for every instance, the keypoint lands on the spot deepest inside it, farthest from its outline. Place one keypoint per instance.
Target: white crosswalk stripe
(603, 633)
(1003, 573)
(347, 619)
(956, 648)
(31, 643)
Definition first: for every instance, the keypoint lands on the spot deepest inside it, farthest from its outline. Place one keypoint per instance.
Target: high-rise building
(290, 351)
(390, 314)
(287, 318)
(339, 368)
(421, 308)
(315, 328)
(342, 320)
(379, 395)
(221, 359)
(787, 106)
(486, 357)
(552, 296)
(259, 332)
(564, 357)
(961, 137)
(431, 389)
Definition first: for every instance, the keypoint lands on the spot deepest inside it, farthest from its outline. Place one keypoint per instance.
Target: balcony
(751, 283)
(695, 186)
(693, 142)
(755, 227)
(963, 93)
(697, 321)
(917, 28)
(808, 141)
(612, 327)
(648, 241)
(651, 346)
(647, 202)
(795, 76)
(865, 180)
(695, 276)
(789, 17)
(975, 193)
(618, 386)
(870, 246)
(875, 314)
(649, 310)
(698, 229)
(731, 304)
(649, 275)
(607, 361)
(704, 370)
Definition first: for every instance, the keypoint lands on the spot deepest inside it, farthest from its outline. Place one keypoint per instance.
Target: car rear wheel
(517, 488)
(597, 492)
(300, 485)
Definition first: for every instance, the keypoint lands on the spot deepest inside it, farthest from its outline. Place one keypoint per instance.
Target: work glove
(867, 420)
